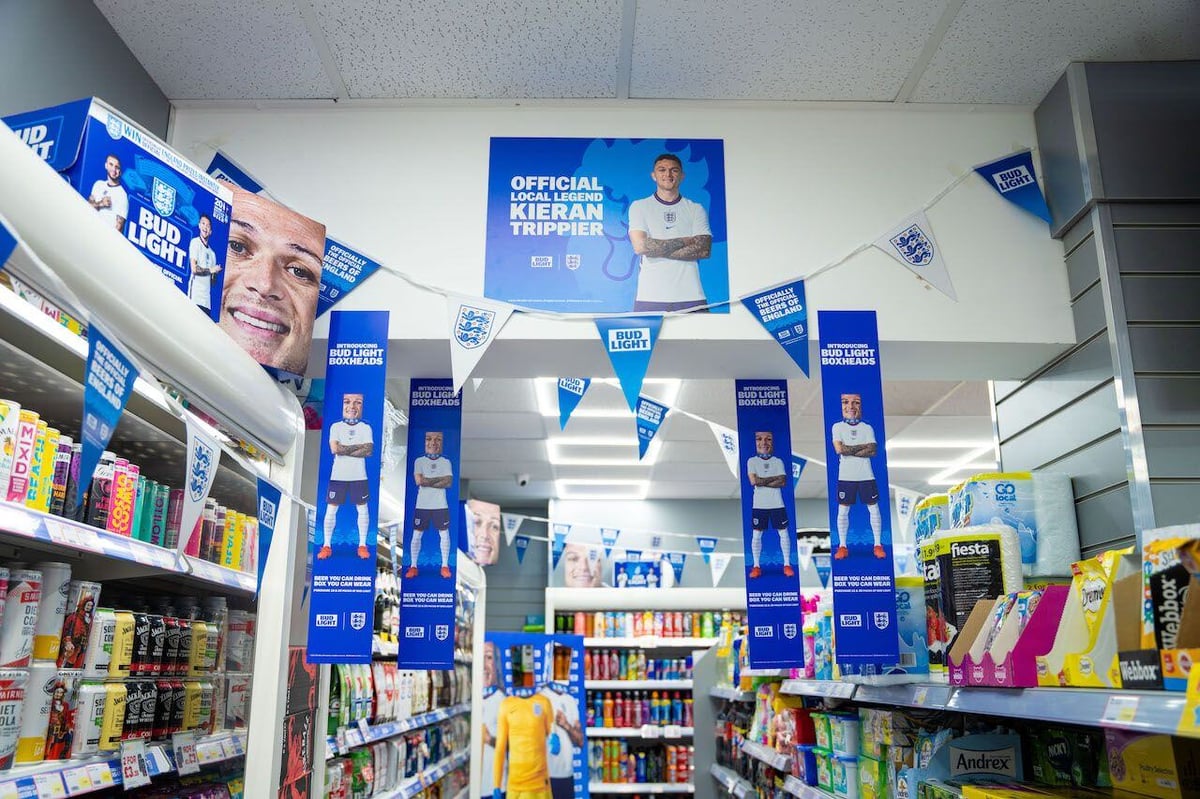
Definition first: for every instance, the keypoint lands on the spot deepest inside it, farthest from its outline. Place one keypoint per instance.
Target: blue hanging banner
(677, 560)
(8, 243)
(222, 167)
(650, 415)
(431, 511)
(522, 543)
(629, 342)
(570, 392)
(1014, 178)
(707, 544)
(342, 611)
(108, 379)
(269, 499)
(783, 311)
(864, 593)
(561, 531)
(609, 536)
(798, 464)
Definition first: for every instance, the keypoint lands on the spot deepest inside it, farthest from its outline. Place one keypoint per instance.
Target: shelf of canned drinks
(730, 781)
(647, 731)
(59, 779)
(353, 737)
(415, 785)
(731, 693)
(652, 642)
(641, 787)
(776, 760)
(72, 536)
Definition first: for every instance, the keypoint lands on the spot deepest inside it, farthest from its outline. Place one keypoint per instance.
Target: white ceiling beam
(625, 55)
(324, 52)
(929, 50)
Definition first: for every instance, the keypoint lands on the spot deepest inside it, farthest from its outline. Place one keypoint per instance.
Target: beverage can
(100, 493)
(197, 652)
(52, 609)
(20, 618)
(121, 658)
(204, 719)
(89, 718)
(77, 624)
(61, 475)
(158, 644)
(174, 517)
(178, 708)
(4, 575)
(112, 723)
(186, 637)
(98, 653)
(75, 505)
(34, 486)
(10, 419)
(63, 708)
(171, 643)
(139, 664)
(159, 504)
(35, 715)
(164, 705)
(22, 459)
(191, 705)
(123, 495)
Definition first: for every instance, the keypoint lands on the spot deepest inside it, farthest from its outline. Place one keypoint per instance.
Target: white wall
(805, 185)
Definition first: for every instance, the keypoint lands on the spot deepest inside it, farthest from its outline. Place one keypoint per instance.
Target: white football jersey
(560, 765)
(348, 467)
(491, 712)
(432, 498)
(120, 201)
(766, 498)
(665, 279)
(200, 289)
(854, 467)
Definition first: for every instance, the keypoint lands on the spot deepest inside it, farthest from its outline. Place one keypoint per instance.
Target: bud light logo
(326, 620)
(631, 339)
(266, 512)
(1010, 179)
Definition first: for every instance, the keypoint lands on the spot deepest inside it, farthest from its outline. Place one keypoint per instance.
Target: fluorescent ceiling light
(586, 488)
(966, 461)
(664, 390)
(558, 451)
(934, 444)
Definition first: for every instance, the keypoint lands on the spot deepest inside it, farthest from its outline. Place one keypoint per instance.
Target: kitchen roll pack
(1039, 506)
(973, 563)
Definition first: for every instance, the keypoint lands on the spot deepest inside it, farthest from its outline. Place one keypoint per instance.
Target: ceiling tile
(777, 50)
(1012, 51)
(221, 49)
(473, 48)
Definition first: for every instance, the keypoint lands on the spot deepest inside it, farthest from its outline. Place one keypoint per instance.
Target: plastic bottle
(618, 710)
(655, 708)
(608, 709)
(676, 709)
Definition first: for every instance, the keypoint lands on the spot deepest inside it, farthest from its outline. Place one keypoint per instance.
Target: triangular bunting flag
(783, 311)
(512, 523)
(707, 544)
(269, 499)
(718, 562)
(633, 555)
(804, 555)
(677, 560)
(609, 536)
(561, 531)
(475, 323)
(108, 380)
(798, 464)
(522, 543)
(203, 455)
(649, 415)
(656, 541)
(476, 382)
(906, 503)
(629, 342)
(1013, 177)
(570, 392)
(727, 441)
(824, 566)
(911, 243)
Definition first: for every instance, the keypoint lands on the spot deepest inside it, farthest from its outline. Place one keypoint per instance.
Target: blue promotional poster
(629, 342)
(649, 415)
(269, 499)
(431, 519)
(607, 225)
(635, 573)
(783, 311)
(768, 525)
(342, 610)
(864, 592)
(174, 213)
(108, 379)
(1014, 178)
(534, 717)
(570, 392)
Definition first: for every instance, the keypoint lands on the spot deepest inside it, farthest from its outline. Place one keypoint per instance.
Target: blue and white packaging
(637, 574)
(152, 195)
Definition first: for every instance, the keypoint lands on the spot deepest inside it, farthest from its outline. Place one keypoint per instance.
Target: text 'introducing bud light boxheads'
(166, 206)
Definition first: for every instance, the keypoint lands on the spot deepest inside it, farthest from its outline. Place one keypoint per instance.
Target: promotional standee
(864, 594)
(431, 526)
(607, 225)
(768, 518)
(534, 734)
(343, 569)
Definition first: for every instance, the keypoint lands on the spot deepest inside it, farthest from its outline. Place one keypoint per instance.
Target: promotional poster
(483, 540)
(607, 225)
(637, 574)
(768, 524)
(431, 520)
(163, 204)
(534, 729)
(864, 592)
(342, 608)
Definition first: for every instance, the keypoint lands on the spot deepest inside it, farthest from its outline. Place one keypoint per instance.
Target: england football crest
(358, 620)
(913, 245)
(789, 631)
(441, 631)
(573, 261)
(669, 217)
(199, 479)
(163, 194)
(473, 326)
(882, 620)
(114, 127)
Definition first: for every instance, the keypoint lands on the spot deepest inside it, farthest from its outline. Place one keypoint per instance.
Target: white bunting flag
(474, 324)
(476, 382)
(512, 523)
(203, 455)
(911, 243)
(804, 556)
(906, 503)
(727, 441)
(718, 562)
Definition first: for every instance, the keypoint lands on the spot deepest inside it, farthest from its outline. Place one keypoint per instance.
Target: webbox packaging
(166, 206)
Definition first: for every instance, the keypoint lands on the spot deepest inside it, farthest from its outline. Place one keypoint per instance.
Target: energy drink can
(75, 505)
(139, 662)
(89, 719)
(158, 644)
(52, 609)
(112, 722)
(100, 493)
(61, 475)
(35, 716)
(64, 707)
(191, 705)
(174, 518)
(33, 487)
(100, 640)
(159, 503)
(12, 700)
(20, 618)
(77, 625)
(122, 648)
(123, 497)
(10, 419)
(22, 461)
(164, 704)
(40, 500)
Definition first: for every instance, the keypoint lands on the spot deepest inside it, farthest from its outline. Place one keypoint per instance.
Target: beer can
(61, 475)
(33, 487)
(191, 705)
(10, 420)
(158, 644)
(204, 718)
(99, 650)
(3, 591)
(112, 723)
(174, 517)
(52, 609)
(237, 701)
(139, 663)
(77, 625)
(35, 714)
(89, 719)
(20, 618)
(64, 707)
(178, 708)
(100, 492)
(12, 698)
(164, 705)
(122, 646)
(75, 506)
(159, 504)
(239, 645)
(39, 499)
(123, 496)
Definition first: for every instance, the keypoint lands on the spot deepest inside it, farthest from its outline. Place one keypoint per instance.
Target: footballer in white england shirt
(854, 441)
(768, 475)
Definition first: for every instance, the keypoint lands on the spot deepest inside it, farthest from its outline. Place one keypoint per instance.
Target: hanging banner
(911, 243)
(570, 392)
(718, 563)
(607, 225)
(768, 503)
(609, 536)
(823, 565)
(629, 342)
(522, 544)
(483, 543)
(650, 415)
(197, 528)
(561, 531)
(8, 243)
(534, 714)
(269, 499)
(222, 167)
(634, 555)
(512, 523)
(428, 589)
(798, 464)
(108, 379)
(1015, 179)
(474, 325)
(708, 545)
(864, 594)
(906, 503)
(782, 310)
(727, 441)
(677, 560)
(342, 610)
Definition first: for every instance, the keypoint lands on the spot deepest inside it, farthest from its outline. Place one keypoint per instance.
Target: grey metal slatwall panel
(1105, 520)
(1083, 267)
(1158, 249)
(1088, 310)
(1182, 213)
(1061, 384)
(1169, 400)
(1075, 235)
(1160, 298)
(1176, 502)
(1003, 388)
(1166, 349)
(1059, 154)
(1090, 418)
(1173, 452)
(1095, 468)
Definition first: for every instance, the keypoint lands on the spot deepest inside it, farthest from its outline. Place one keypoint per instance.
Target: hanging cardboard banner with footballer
(864, 593)
(570, 392)
(768, 524)
(347, 518)
(629, 342)
(607, 225)
(1016, 181)
(431, 520)
(783, 311)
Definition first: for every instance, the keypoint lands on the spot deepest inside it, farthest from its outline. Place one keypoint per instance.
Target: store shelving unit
(731, 693)
(634, 685)
(802, 790)
(648, 732)
(356, 736)
(414, 785)
(732, 783)
(640, 787)
(776, 760)
(650, 642)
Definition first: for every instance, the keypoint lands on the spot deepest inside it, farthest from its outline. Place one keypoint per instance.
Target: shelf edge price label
(78, 780)
(9, 790)
(183, 746)
(135, 771)
(1119, 709)
(364, 729)
(672, 731)
(649, 731)
(100, 774)
(50, 785)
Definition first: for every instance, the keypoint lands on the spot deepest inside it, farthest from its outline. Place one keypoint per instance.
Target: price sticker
(920, 695)
(61, 534)
(364, 729)
(100, 774)
(78, 780)
(1120, 709)
(183, 745)
(208, 752)
(50, 786)
(239, 747)
(88, 539)
(341, 739)
(650, 731)
(135, 771)
(353, 737)
(9, 790)
(672, 731)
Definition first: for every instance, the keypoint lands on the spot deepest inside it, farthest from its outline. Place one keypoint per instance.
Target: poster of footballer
(607, 225)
